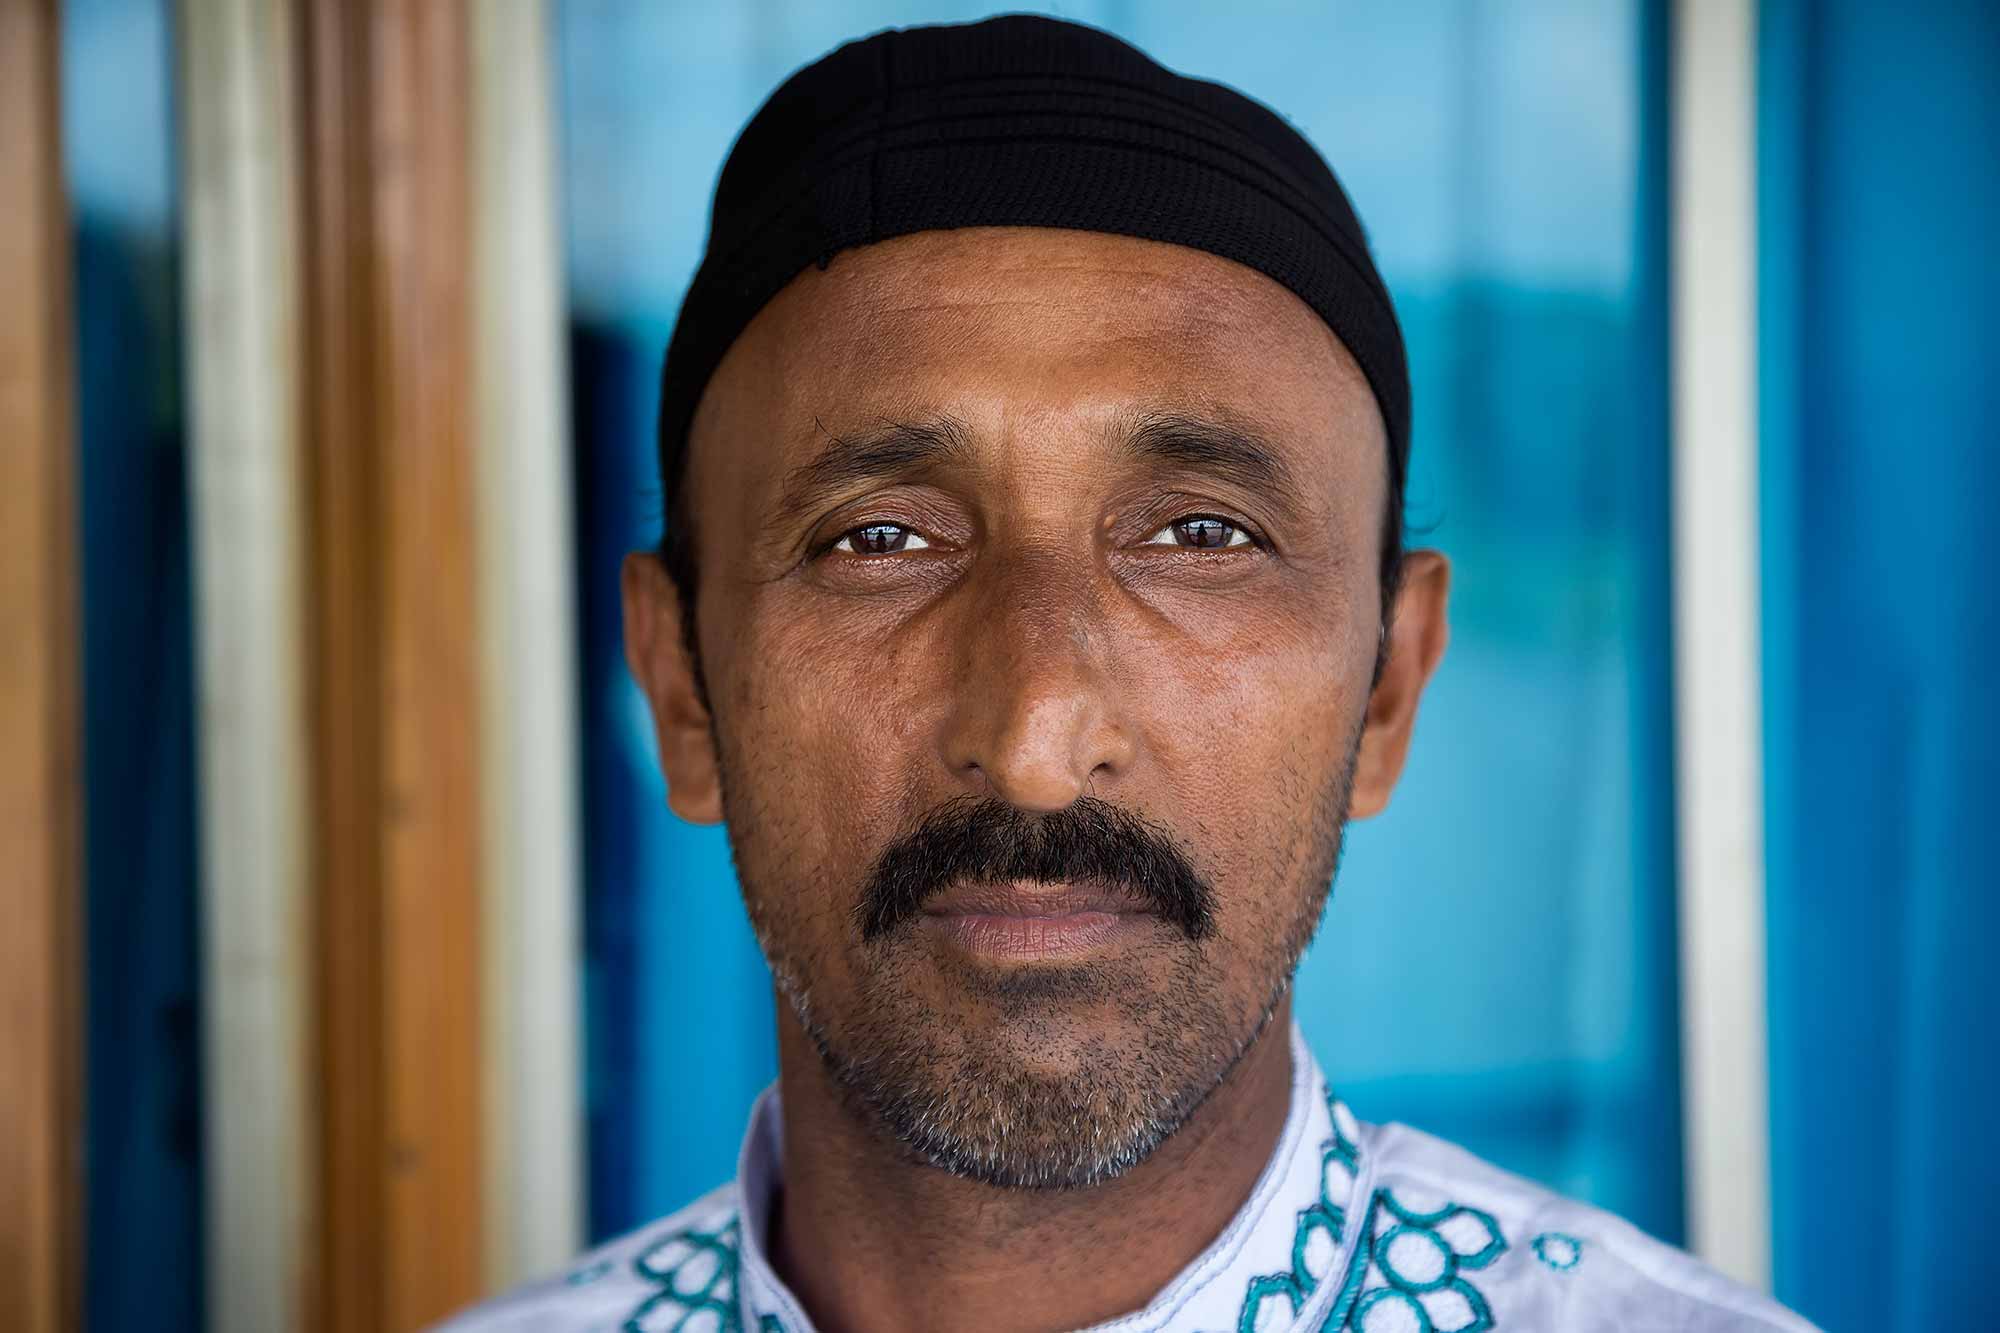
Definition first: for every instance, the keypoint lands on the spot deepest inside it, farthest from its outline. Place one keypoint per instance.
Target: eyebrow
(891, 450)
(1227, 450)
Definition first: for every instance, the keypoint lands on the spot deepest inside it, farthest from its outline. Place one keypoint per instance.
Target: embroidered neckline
(1316, 1240)
(1410, 1266)
(695, 1271)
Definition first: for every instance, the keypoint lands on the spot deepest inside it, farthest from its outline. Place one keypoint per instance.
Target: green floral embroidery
(1316, 1241)
(696, 1274)
(1559, 1251)
(1410, 1268)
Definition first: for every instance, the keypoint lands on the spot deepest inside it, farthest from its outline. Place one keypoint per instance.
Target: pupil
(1205, 532)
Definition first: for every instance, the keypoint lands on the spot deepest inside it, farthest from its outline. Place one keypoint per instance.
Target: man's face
(1038, 607)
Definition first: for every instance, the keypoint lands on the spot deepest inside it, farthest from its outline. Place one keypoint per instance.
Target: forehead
(1004, 328)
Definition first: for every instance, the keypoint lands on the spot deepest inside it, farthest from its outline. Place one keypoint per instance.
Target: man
(1033, 610)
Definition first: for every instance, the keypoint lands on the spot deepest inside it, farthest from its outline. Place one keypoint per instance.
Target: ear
(656, 651)
(1416, 642)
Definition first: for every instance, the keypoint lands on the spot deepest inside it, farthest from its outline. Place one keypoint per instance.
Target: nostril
(975, 778)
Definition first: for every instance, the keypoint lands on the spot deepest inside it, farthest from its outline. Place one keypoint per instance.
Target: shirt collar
(1277, 1267)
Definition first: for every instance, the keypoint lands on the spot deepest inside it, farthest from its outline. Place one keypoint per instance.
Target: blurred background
(358, 968)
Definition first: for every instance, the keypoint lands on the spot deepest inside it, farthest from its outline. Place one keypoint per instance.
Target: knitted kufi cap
(1021, 121)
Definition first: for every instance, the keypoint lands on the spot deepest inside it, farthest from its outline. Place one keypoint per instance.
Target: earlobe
(1416, 643)
(656, 651)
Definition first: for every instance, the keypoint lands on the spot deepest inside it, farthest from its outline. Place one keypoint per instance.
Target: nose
(1036, 718)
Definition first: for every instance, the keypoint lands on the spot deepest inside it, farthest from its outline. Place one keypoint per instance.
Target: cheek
(1248, 727)
(820, 734)
(1226, 692)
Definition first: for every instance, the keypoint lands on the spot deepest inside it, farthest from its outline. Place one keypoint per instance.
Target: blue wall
(1879, 187)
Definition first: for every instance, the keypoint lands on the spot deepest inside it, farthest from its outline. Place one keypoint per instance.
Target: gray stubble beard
(981, 1119)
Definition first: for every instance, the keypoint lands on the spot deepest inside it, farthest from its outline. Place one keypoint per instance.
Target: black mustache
(988, 841)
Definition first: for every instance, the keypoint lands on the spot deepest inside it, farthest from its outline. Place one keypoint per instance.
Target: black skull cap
(1021, 121)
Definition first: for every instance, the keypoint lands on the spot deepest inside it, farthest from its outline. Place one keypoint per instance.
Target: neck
(859, 1229)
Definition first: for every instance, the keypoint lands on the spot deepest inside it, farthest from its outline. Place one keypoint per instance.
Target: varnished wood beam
(40, 743)
(394, 651)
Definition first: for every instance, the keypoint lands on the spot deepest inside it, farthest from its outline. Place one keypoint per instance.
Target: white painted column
(1725, 1076)
(534, 1083)
(241, 281)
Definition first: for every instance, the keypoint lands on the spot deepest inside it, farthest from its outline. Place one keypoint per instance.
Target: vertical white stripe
(248, 519)
(1717, 681)
(534, 1086)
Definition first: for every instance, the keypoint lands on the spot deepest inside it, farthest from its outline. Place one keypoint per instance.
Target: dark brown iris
(1204, 533)
(879, 539)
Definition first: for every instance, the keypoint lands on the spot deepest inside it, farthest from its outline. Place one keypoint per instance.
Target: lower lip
(1026, 938)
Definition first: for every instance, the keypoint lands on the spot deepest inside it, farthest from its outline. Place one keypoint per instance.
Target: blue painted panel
(142, 1140)
(1879, 182)
(677, 1002)
(1510, 985)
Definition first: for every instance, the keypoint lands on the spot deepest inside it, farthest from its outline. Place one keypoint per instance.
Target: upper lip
(1031, 898)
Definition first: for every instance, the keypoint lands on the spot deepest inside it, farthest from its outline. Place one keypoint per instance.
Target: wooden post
(393, 653)
(534, 1083)
(41, 882)
(1718, 723)
(241, 275)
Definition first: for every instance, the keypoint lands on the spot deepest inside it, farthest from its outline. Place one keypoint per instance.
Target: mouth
(1026, 921)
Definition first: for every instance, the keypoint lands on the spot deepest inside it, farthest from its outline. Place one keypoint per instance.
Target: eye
(1202, 532)
(880, 539)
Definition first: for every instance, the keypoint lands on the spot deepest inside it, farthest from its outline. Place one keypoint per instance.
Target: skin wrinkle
(910, 448)
(1040, 650)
